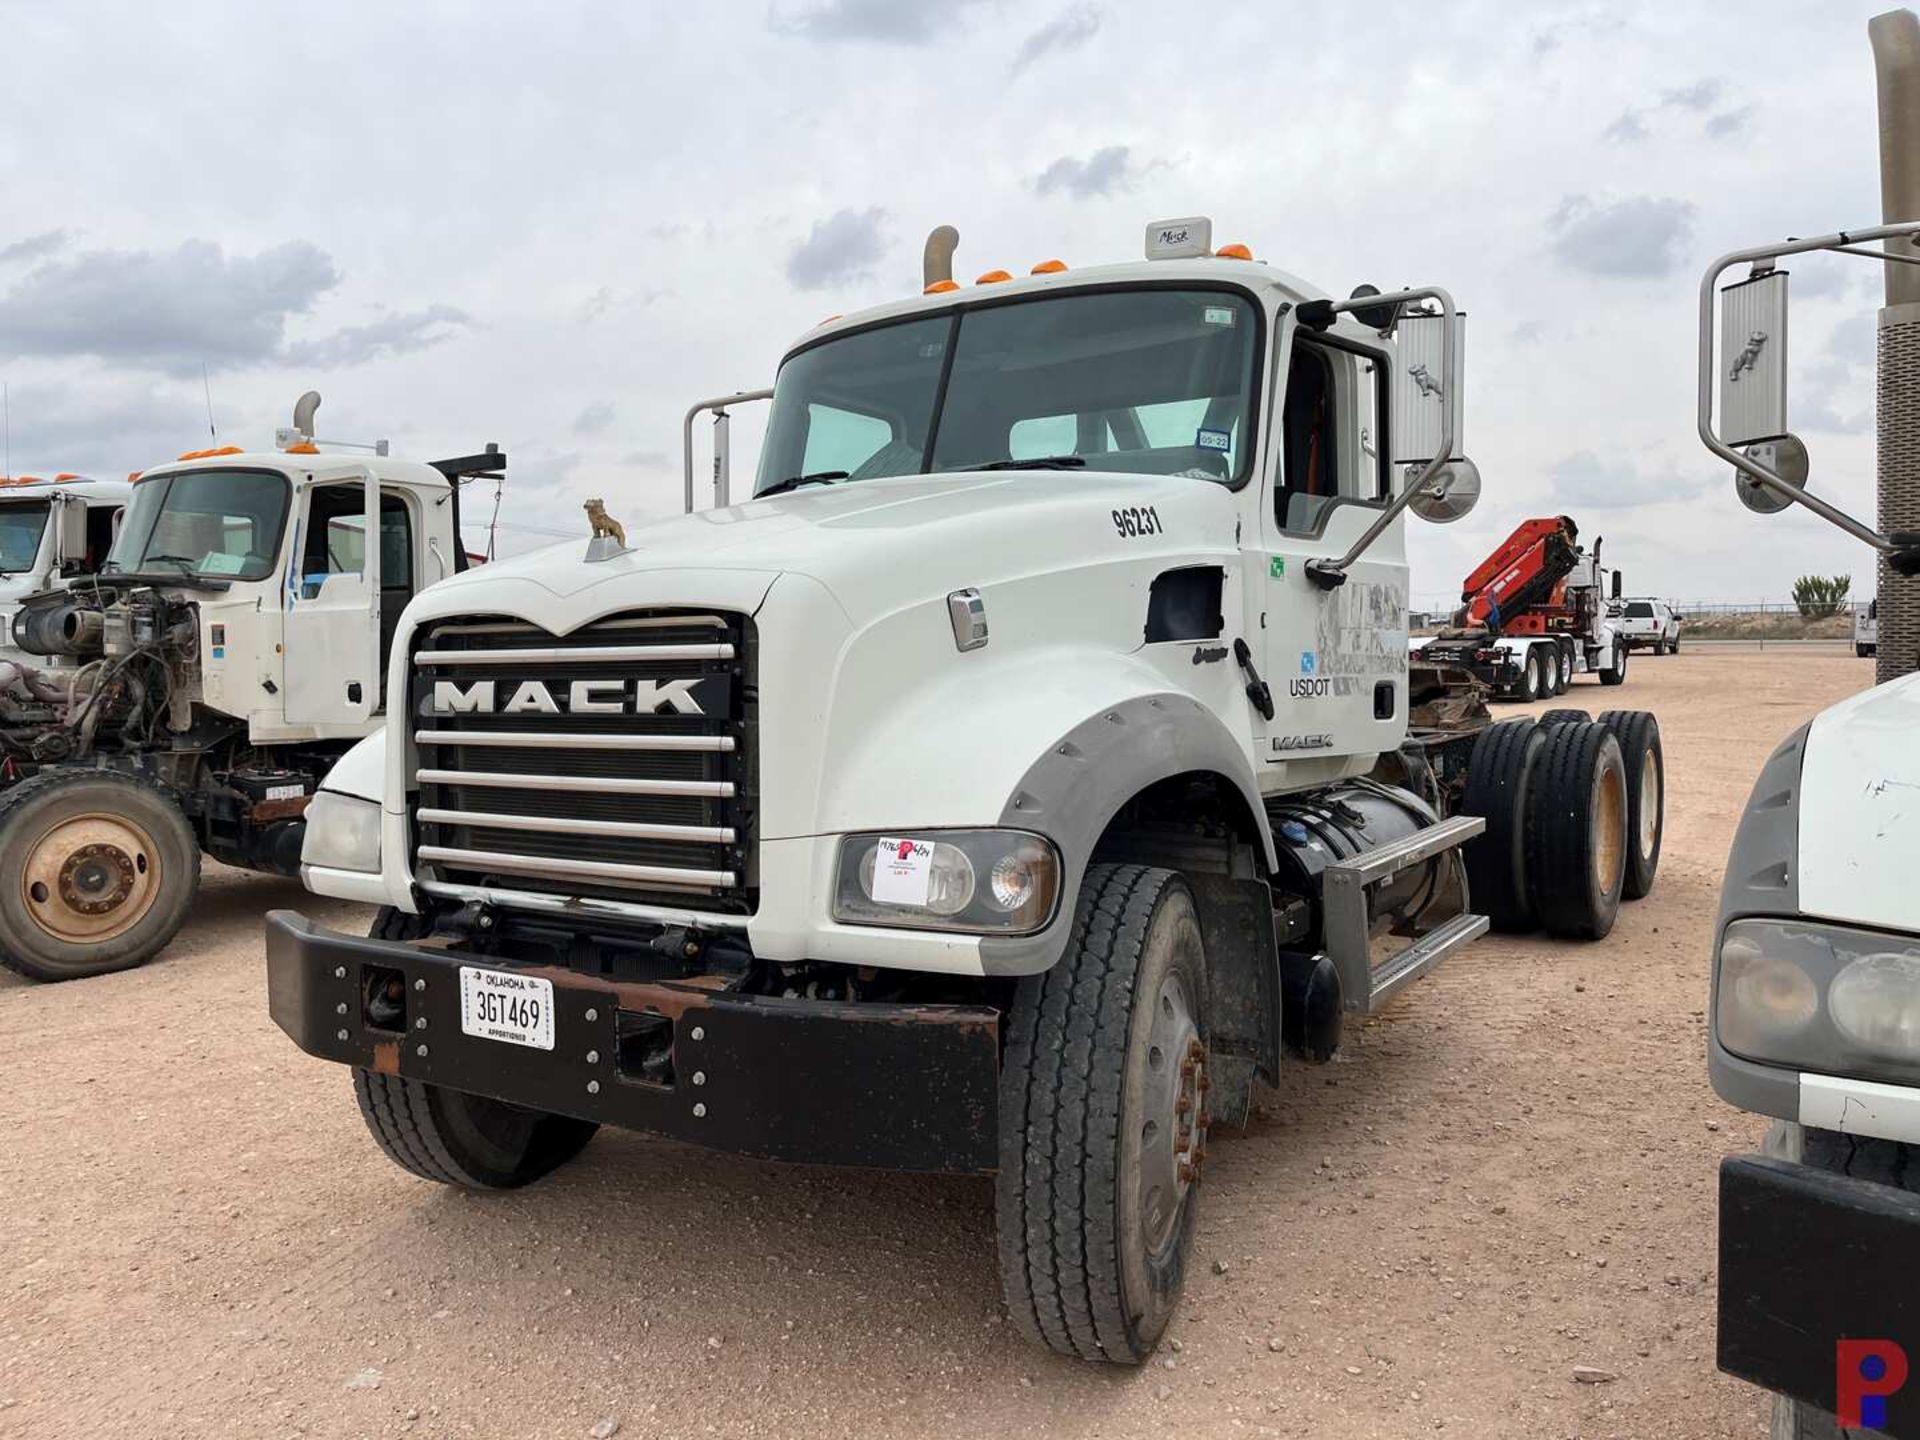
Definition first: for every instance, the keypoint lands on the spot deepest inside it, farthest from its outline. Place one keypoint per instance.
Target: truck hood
(907, 535)
(1860, 809)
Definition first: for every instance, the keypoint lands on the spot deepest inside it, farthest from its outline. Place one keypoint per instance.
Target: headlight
(998, 881)
(1875, 1002)
(343, 833)
(1826, 998)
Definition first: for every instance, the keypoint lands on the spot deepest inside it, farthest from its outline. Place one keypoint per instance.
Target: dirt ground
(1509, 1174)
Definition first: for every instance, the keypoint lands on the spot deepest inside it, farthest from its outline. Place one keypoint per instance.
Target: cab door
(333, 604)
(1335, 660)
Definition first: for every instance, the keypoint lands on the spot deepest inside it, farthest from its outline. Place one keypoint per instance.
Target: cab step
(1366, 986)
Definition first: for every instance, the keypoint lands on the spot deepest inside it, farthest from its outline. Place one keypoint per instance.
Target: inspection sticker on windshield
(902, 870)
(496, 1005)
(1217, 315)
(1213, 440)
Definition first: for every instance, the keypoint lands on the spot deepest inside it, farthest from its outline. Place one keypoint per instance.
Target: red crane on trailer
(1516, 587)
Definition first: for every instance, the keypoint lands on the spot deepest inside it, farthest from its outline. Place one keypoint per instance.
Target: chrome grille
(614, 763)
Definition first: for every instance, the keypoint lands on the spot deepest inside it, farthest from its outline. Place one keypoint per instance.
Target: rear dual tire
(1646, 765)
(1577, 832)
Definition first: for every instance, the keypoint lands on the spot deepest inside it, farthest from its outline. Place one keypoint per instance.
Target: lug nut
(593, 1015)
(419, 984)
(699, 1112)
(340, 1034)
(593, 1057)
(341, 1008)
(421, 1051)
(698, 1033)
(339, 972)
(421, 1023)
(593, 1087)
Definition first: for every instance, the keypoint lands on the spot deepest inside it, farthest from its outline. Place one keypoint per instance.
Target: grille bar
(582, 784)
(552, 740)
(570, 654)
(486, 860)
(583, 800)
(562, 825)
(577, 905)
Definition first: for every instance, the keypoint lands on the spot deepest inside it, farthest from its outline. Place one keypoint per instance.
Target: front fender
(362, 771)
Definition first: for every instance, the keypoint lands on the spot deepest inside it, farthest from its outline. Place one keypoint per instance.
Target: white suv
(1651, 625)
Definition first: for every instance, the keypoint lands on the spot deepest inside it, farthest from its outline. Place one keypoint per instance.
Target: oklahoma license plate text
(518, 1009)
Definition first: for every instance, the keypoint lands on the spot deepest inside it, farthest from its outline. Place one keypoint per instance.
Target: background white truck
(1866, 629)
(51, 532)
(195, 689)
(1815, 1015)
(1648, 623)
(1002, 789)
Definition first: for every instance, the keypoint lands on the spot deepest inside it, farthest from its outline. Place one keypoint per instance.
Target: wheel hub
(1649, 802)
(1610, 822)
(1173, 1139)
(91, 878)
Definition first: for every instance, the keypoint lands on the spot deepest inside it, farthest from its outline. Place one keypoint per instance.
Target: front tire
(1103, 1121)
(1618, 674)
(1533, 677)
(454, 1138)
(97, 873)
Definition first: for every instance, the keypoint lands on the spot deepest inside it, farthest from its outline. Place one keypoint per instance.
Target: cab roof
(34, 487)
(1275, 287)
(321, 466)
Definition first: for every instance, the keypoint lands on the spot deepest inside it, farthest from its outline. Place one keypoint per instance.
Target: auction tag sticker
(902, 870)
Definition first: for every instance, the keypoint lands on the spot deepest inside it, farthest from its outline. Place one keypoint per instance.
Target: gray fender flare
(1073, 791)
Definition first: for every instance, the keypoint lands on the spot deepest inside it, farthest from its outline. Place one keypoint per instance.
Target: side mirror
(1616, 584)
(70, 534)
(1449, 495)
(1381, 317)
(1786, 456)
(1418, 401)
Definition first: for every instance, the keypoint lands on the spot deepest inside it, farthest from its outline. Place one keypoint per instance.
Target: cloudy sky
(554, 227)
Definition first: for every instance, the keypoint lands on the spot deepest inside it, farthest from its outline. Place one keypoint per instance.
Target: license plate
(496, 1005)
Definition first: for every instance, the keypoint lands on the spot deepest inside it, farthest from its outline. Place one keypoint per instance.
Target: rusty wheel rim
(1649, 803)
(91, 878)
(1610, 842)
(1173, 1136)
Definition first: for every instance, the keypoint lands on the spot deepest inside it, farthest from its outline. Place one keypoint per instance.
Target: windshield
(1154, 381)
(1640, 610)
(21, 526)
(219, 523)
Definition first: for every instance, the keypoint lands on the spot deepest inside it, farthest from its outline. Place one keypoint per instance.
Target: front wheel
(1533, 677)
(97, 873)
(1103, 1121)
(454, 1138)
(1618, 674)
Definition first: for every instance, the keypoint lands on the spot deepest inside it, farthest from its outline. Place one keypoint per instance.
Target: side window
(842, 439)
(103, 523)
(1309, 440)
(335, 542)
(396, 544)
(1333, 428)
(1041, 435)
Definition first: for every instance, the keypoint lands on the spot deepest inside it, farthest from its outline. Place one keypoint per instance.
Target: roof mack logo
(583, 697)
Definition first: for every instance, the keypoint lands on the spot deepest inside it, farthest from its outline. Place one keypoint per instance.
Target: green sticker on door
(1277, 567)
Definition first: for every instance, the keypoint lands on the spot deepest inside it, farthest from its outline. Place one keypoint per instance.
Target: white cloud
(1641, 237)
(900, 22)
(1069, 31)
(840, 249)
(1101, 173)
(34, 247)
(399, 334)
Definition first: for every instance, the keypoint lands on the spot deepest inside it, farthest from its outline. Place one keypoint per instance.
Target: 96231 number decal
(1137, 520)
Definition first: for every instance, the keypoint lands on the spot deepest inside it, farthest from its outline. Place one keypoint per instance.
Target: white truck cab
(1866, 629)
(1815, 1006)
(1045, 714)
(224, 654)
(50, 532)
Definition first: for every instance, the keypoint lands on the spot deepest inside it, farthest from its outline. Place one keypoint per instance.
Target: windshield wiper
(186, 563)
(1039, 462)
(794, 482)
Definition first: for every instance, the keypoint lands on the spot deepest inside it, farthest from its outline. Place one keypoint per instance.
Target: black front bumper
(897, 1087)
(1809, 1258)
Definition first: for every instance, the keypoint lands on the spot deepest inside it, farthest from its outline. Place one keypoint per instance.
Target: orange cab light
(190, 455)
(65, 475)
(828, 321)
(1049, 267)
(941, 287)
(1234, 252)
(226, 450)
(132, 475)
(26, 480)
(305, 447)
(993, 277)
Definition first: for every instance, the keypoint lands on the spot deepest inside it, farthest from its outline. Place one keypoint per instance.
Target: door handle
(354, 692)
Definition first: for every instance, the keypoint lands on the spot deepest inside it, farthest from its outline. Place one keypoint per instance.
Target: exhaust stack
(936, 261)
(303, 412)
(1895, 37)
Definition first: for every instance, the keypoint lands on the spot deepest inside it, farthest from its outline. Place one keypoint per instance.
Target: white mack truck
(52, 532)
(189, 695)
(1001, 789)
(1815, 1014)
